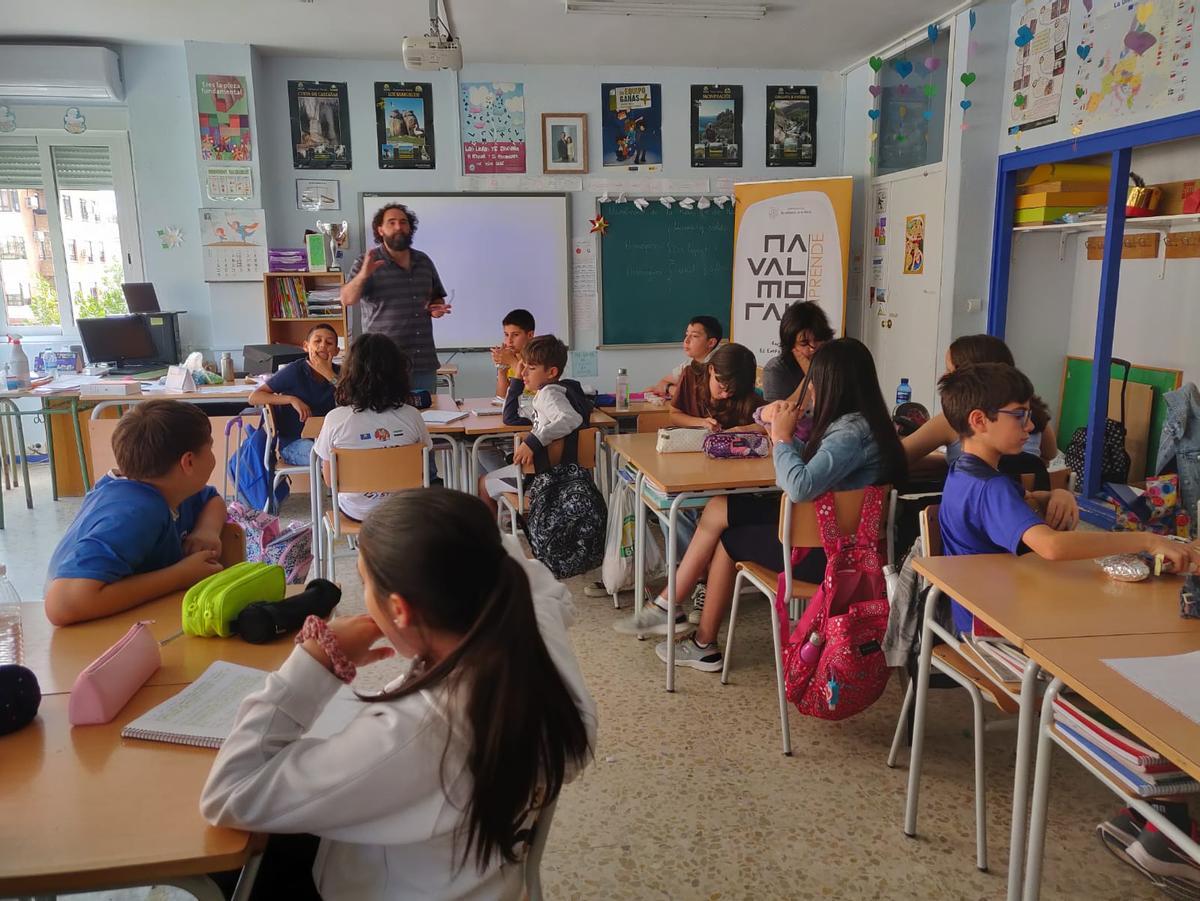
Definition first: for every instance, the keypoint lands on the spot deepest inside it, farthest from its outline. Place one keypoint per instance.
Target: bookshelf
(286, 298)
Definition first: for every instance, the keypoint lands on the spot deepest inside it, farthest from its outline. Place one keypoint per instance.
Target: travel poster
(404, 124)
(716, 125)
(791, 125)
(320, 117)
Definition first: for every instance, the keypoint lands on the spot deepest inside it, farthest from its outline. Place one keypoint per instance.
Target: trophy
(335, 234)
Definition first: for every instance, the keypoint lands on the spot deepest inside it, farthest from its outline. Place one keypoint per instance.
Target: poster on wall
(1040, 63)
(716, 125)
(320, 116)
(404, 125)
(914, 244)
(791, 242)
(632, 116)
(235, 245)
(878, 287)
(224, 113)
(493, 126)
(225, 183)
(1131, 59)
(791, 125)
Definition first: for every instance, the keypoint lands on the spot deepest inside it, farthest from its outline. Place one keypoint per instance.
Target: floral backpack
(833, 662)
(267, 541)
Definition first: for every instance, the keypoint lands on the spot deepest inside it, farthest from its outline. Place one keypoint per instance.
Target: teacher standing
(400, 292)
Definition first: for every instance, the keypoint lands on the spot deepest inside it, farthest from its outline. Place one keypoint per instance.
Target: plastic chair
(589, 451)
(652, 422)
(537, 847)
(947, 660)
(798, 527)
(358, 471)
(271, 459)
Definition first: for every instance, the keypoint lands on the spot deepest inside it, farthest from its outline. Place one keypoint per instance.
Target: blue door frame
(1118, 144)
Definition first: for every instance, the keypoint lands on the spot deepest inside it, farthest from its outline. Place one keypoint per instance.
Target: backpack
(1115, 460)
(251, 476)
(845, 671)
(566, 521)
(268, 542)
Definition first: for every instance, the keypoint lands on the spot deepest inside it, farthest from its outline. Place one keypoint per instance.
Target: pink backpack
(268, 542)
(843, 671)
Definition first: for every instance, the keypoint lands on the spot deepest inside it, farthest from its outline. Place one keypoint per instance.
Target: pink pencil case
(108, 682)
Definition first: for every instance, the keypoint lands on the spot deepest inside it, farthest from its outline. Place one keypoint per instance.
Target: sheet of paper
(584, 364)
(1172, 679)
(535, 183)
(723, 185)
(583, 285)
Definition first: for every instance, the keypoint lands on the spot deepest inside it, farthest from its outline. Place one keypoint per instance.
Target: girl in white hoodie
(429, 792)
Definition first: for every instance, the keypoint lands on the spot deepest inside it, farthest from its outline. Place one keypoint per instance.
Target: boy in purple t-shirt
(986, 512)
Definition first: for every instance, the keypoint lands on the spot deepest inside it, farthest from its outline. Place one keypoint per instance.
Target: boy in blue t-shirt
(147, 529)
(986, 512)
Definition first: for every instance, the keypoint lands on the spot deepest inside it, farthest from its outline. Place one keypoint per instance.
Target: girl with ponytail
(430, 790)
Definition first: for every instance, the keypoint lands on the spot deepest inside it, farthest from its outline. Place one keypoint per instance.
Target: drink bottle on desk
(622, 390)
(18, 365)
(11, 650)
(903, 392)
(227, 374)
(50, 362)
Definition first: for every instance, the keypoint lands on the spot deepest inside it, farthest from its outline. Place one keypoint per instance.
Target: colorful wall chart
(224, 113)
(1040, 31)
(493, 126)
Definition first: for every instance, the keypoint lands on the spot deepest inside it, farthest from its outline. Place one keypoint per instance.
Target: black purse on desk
(1115, 462)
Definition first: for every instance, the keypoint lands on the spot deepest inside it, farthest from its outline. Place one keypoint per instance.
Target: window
(34, 201)
(67, 212)
(911, 126)
(12, 248)
(43, 250)
(9, 201)
(103, 259)
(83, 210)
(73, 249)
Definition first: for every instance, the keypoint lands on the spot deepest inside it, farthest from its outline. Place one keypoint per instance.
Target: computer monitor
(124, 340)
(140, 297)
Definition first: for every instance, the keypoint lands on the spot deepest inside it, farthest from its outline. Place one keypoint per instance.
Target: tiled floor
(690, 798)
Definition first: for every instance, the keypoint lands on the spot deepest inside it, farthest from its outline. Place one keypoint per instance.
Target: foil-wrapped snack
(1125, 567)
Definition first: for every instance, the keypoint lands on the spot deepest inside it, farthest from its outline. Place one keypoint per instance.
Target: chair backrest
(378, 468)
(233, 544)
(587, 450)
(1059, 478)
(652, 422)
(101, 457)
(931, 532)
(806, 531)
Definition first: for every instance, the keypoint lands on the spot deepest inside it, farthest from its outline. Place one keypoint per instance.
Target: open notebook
(442, 417)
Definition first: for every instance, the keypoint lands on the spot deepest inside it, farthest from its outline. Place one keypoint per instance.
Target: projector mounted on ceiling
(704, 9)
(434, 50)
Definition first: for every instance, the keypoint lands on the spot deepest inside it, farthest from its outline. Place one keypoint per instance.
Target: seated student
(803, 330)
(518, 331)
(148, 528)
(372, 411)
(718, 394)
(1039, 449)
(985, 512)
(430, 790)
(301, 389)
(700, 340)
(559, 408)
(853, 444)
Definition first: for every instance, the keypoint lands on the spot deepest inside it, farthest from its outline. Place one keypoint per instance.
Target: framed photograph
(564, 142)
(314, 194)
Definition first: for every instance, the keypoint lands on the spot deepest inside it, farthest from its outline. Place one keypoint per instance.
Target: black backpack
(567, 515)
(1115, 461)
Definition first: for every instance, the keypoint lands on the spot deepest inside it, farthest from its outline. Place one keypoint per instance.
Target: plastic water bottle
(622, 390)
(18, 365)
(11, 650)
(903, 392)
(227, 373)
(50, 362)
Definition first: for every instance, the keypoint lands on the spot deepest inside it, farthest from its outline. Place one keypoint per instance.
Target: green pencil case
(210, 606)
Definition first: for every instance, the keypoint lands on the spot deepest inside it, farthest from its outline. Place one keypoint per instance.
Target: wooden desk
(82, 808)
(57, 654)
(1026, 598)
(448, 373)
(1079, 663)
(636, 408)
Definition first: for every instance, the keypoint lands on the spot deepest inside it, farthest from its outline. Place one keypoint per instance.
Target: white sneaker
(651, 621)
(595, 590)
(698, 594)
(688, 653)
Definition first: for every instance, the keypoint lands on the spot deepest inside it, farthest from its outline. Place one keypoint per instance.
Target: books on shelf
(1136, 783)
(291, 298)
(1062, 198)
(995, 657)
(1063, 186)
(1103, 730)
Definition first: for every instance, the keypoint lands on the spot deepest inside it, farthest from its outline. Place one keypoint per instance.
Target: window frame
(51, 197)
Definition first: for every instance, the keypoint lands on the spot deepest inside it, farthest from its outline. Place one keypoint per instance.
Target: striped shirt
(395, 302)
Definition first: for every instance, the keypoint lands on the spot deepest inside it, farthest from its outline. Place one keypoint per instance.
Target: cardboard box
(1179, 197)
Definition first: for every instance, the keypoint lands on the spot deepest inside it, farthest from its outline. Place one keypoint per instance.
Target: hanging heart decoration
(932, 31)
(903, 111)
(932, 64)
(1024, 36)
(967, 78)
(903, 67)
(971, 19)
(876, 63)
(929, 90)
(903, 89)
(1019, 100)
(1079, 92)
(1083, 51)
(965, 104)
(875, 90)
(927, 114)
(873, 113)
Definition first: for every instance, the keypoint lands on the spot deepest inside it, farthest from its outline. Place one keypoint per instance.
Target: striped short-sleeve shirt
(395, 302)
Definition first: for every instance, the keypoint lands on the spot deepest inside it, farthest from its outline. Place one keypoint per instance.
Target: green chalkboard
(660, 267)
(1077, 399)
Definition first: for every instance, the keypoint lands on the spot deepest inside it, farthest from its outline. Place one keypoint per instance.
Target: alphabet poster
(404, 125)
(791, 243)
(632, 116)
(493, 126)
(320, 124)
(223, 110)
(716, 125)
(914, 244)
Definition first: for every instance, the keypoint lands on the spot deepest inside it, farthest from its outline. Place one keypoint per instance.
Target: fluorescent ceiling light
(706, 10)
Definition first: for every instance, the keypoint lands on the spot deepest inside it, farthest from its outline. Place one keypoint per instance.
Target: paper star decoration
(703, 203)
(599, 225)
(170, 236)
(641, 203)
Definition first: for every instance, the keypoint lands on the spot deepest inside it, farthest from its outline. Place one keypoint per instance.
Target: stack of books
(325, 302)
(1049, 201)
(1140, 770)
(287, 259)
(994, 657)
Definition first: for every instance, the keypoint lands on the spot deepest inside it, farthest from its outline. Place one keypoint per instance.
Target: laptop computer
(140, 297)
(125, 341)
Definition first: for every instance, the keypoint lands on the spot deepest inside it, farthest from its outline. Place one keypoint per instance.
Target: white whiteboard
(496, 252)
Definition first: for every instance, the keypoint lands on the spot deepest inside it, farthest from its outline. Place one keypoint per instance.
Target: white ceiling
(795, 34)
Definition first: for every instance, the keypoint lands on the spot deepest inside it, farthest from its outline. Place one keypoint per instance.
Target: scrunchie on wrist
(315, 628)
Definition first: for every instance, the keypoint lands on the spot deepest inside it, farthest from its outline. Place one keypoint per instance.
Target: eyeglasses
(809, 345)
(1021, 416)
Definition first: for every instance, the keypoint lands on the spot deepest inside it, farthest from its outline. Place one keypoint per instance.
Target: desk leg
(245, 883)
(83, 467)
(672, 518)
(1016, 853)
(639, 545)
(50, 449)
(23, 451)
(918, 736)
(1041, 792)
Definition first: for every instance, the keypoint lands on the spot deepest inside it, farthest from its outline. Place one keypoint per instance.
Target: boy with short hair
(518, 331)
(559, 408)
(151, 527)
(700, 339)
(984, 511)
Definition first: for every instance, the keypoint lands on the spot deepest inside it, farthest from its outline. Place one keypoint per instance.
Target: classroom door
(902, 330)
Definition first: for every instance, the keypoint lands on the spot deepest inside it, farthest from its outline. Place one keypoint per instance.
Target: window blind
(83, 167)
(21, 166)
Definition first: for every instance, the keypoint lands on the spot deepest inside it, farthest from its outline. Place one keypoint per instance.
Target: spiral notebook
(202, 714)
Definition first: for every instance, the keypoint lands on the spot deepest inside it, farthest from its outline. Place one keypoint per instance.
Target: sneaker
(651, 621)
(698, 594)
(1121, 831)
(1154, 853)
(595, 590)
(688, 653)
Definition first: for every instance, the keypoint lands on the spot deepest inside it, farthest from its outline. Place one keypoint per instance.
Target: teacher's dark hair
(375, 375)
(801, 317)
(377, 221)
(523, 727)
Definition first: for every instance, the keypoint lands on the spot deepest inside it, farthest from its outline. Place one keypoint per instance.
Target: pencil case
(211, 605)
(730, 445)
(107, 683)
(680, 441)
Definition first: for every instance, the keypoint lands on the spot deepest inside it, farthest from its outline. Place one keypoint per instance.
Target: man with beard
(400, 292)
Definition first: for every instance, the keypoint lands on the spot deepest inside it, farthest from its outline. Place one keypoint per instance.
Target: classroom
(405, 406)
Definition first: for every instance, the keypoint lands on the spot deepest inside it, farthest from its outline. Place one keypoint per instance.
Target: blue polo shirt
(300, 380)
(125, 528)
(983, 511)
